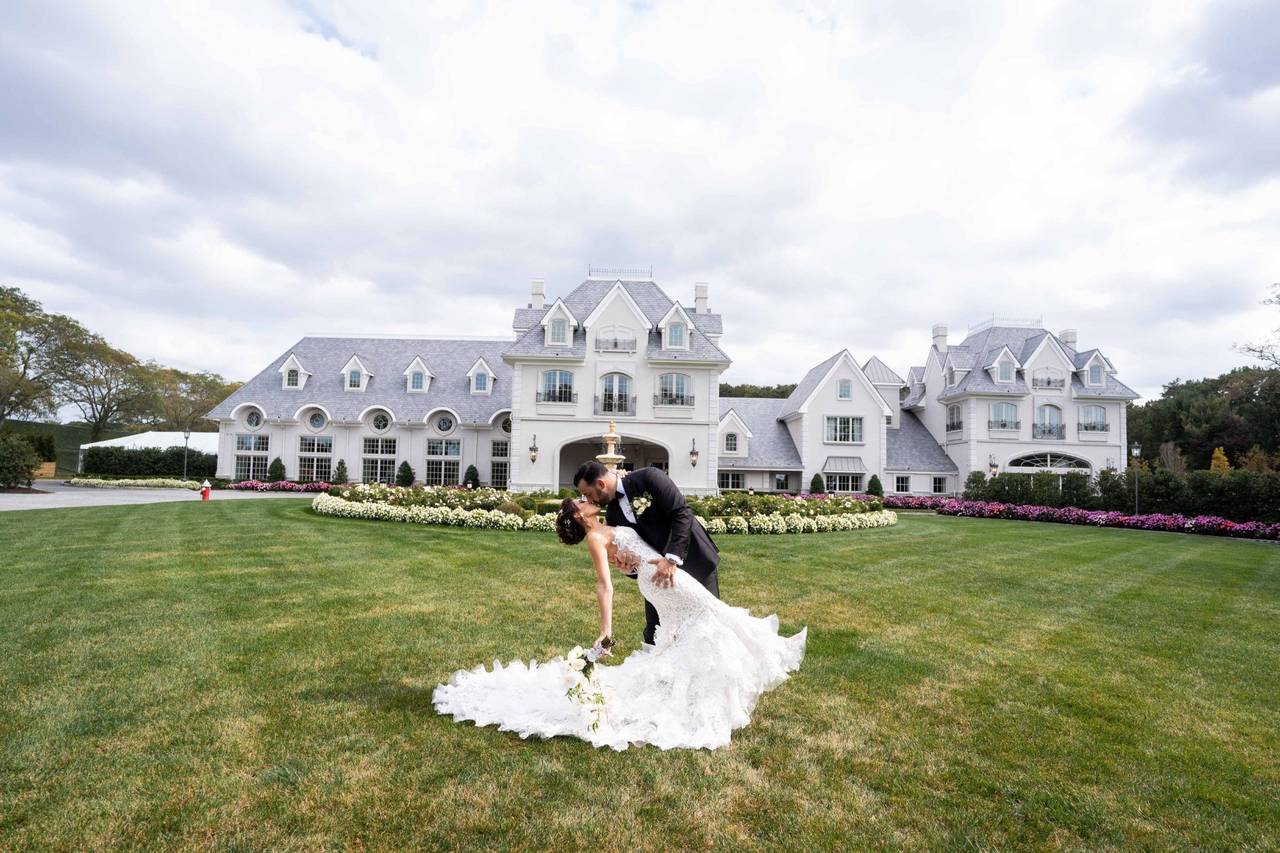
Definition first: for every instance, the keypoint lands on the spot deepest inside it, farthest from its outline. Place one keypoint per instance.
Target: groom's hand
(665, 576)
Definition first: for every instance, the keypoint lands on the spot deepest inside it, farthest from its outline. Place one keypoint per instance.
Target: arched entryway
(639, 453)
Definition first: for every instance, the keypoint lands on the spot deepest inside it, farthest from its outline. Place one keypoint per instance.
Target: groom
(667, 526)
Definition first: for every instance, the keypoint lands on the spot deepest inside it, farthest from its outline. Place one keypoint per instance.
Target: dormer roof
(675, 312)
(354, 363)
(1001, 353)
(292, 363)
(798, 401)
(880, 373)
(730, 418)
(618, 292)
(418, 365)
(481, 366)
(559, 308)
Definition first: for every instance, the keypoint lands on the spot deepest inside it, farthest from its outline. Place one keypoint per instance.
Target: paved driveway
(62, 495)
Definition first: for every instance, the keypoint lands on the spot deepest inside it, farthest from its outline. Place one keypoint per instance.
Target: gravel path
(61, 495)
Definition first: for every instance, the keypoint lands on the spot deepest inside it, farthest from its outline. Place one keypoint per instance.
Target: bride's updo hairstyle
(568, 526)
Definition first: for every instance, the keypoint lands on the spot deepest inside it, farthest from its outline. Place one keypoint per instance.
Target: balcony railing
(615, 344)
(615, 404)
(673, 399)
(561, 395)
(1044, 382)
(1048, 431)
(955, 426)
(1095, 427)
(1004, 424)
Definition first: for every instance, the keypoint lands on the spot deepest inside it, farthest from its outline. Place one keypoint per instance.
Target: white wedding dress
(710, 664)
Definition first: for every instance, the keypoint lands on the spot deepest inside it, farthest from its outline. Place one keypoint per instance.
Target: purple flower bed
(915, 501)
(282, 486)
(1209, 525)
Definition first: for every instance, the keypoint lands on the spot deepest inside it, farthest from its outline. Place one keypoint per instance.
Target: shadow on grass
(382, 695)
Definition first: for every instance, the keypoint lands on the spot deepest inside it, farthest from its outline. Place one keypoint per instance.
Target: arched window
(954, 422)
(615, 395)
(1048, 460)
(557, 387)
(291, 378)
(1004, 416)
(730, 442)
(1048, 422)
(1093, 419)
(674, 390)
(846, 389)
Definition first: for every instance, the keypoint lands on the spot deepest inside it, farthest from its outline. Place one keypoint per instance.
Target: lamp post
(186, 444)
(1135, 450)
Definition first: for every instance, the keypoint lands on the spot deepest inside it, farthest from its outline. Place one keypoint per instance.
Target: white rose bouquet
(584, 686)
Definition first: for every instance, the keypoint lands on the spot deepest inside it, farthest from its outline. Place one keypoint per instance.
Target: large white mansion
(527, 410)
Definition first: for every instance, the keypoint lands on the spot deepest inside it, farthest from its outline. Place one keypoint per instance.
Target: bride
(709, 665)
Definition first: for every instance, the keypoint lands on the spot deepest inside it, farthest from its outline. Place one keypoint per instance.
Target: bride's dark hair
(568, 526)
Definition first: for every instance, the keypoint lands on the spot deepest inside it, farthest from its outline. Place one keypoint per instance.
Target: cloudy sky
(203, 184)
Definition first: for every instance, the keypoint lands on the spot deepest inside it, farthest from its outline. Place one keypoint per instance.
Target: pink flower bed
(915, 501)
(282, 486)
(1209, 525)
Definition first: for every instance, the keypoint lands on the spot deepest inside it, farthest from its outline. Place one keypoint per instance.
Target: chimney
(940, 337)
(539, 297)
(700, 298)
(1068, 337)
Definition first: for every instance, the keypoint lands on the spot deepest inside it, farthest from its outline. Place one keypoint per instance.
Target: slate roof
(1112, 388)
(770, 445)
(914, 396)
(880, 374)
(649, 298)
(806, 386)
(386, 360)
(910, 447)
(915, 374)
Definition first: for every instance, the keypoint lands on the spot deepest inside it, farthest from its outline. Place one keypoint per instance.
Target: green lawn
(244, 675)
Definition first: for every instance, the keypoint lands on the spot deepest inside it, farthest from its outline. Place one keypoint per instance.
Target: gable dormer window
(482, 377)
(482, 382)
(951, 377)
(558, 331)
(846, 389)
(676, 335)
(416, 380)
(1004, 371)
(731, 442)
(1095, 374)
(291, 378)
(353, 379)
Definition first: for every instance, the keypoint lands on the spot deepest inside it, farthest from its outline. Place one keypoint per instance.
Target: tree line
(50, 360)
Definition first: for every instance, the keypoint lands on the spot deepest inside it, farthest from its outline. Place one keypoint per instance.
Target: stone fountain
(610, 458)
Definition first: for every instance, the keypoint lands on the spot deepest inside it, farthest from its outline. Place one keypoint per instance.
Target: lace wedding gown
(710, 664)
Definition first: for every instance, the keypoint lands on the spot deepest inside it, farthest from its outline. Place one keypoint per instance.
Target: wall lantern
(693, 454)
(533, 449)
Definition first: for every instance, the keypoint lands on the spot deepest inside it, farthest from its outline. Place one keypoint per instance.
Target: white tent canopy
(201, 442)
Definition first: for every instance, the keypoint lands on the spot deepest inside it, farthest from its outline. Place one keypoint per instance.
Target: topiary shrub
(275, 471)
(817, 486)
(340, 477)
(404, 475)
(512, 508)
(471, 479)
(18, 461)
(975, 486)
(874, 487)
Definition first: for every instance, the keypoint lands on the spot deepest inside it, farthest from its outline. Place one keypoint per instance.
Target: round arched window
(317, 420)
(381, 421)
(254, 419)
(444, 423)
(506, 425)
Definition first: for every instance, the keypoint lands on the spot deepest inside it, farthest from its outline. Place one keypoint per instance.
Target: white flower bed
(492, 519)
(152, 483)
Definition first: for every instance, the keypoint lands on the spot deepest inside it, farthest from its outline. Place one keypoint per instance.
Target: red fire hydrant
(205, 489)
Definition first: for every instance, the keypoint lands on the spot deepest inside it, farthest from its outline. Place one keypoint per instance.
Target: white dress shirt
(624, 503)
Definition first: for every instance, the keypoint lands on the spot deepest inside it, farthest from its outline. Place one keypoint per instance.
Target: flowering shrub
(809, 505)
(451, 497)
(278, 486)
(717, 526)
(735, 524)
(151, 483)
(914, 501)
(1210, 525)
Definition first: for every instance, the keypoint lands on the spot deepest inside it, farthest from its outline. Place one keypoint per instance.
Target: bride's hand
(601, 650)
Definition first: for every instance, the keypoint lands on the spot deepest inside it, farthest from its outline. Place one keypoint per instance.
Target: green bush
(340, 476)
(275, 471)
(817, 486)
(471, 479)
(526, 502)
(404, 474)
(975, 486)
(1045, 490)
(1077, 490)
(874, 487)
(43, 443)
(513, 508)
(18, 461)
(145, 462)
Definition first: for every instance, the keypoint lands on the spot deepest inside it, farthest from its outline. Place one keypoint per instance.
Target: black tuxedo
(667, 525)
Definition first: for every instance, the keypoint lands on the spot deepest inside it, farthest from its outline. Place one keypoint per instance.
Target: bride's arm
(604, 585)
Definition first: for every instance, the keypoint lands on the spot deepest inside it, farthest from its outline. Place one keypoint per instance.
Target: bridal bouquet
(584, 686)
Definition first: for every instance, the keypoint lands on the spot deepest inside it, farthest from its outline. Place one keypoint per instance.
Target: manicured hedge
(18, 462)
(1238, 495)
(148, 462)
